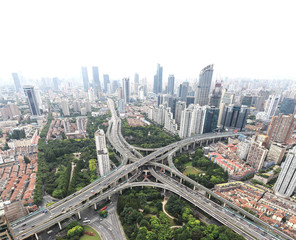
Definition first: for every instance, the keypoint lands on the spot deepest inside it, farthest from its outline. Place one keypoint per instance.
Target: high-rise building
(65, 108)
(32, 100)
(189, 100)
(85, 78)
(281, 127)
(169, 122)
(106, 82)
(180, 106)
(171, 84)
(203, 88)
(55, 81)
(17, 82)
(126, 89)
(157, 85)
(257, 155)
(183, 90)
(76, 106)
(271, 106)
(226, 99)
(185, 122)
(286, 182)
(211, 119)
(276, 153)
(136, 83)
(96, 77)
(102, 152)
(243, 148)
(234, 116)
(216, 95)
(197, 120)
(287, 106)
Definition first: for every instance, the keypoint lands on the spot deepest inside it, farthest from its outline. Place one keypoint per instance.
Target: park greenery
(55, 158)
(16, 134)
(210, 173)
(142, 217)
(149, 136)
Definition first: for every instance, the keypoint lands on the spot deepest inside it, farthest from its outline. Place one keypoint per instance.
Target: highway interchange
(123, 177)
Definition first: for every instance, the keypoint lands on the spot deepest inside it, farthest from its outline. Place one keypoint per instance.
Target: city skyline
(237, 38)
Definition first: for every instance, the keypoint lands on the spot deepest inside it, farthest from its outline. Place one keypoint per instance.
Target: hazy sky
(254, 39)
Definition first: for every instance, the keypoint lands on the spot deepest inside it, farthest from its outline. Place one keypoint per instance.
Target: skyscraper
(17, 82)
(216, 95)
(271, 106)
(32, 100)
(102, 152)
(106, 82)
(180, 106)
(287, 106)
(85, 78)
(126, 89)
(136, 83)
(234, 116)
(281, 127)
(211, 119)
(203, 88)
(157, 85)
(183, 90)
(286, 182)
(257, 154)
(96, 77)
(185, 122)
(65, 108)
(171, 84)
(197, 120)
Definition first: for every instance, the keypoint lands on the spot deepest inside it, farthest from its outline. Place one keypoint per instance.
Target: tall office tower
(157, 85)
(115, 85)
(234, 116)
(126, 90)
(65, 108)
(286, 182)
(172, 101)
(85, 78)
(169, 122)
(281, 127)
(136, 83)
(32, 100)
(185, 122)
(171, 84)
(271, 106)
(102, 152)
(197, 120)
(121, 106)
(180, 106)
(247, 100)
(226, 99)
(211, 119)
(55, 81)
(216, 95)
(257, 154)
(183, 90)
(203, 88)
(106, 82)
(287, 106)
(17, 82)
(96, 77)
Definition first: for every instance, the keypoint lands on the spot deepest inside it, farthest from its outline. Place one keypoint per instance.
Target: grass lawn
(189, 164)
(191, 170)
(87, 237)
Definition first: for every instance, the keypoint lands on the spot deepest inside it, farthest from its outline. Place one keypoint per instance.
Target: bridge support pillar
(187, 147)
(60, 226)
(109, 197)
(79, 216)
(200, 143)
(36, 236)
(209, 196)
(121, 192)
(207, 142)
(171, 174)
(101, 192)
(193, 146)
(180, 180)
(95, 206)
(131, 187)
(146, 153)
(193, 187)
(164, 191)
(224, 204)
(162, 161)
(180, 149)
(114, 184)
(244, 216)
